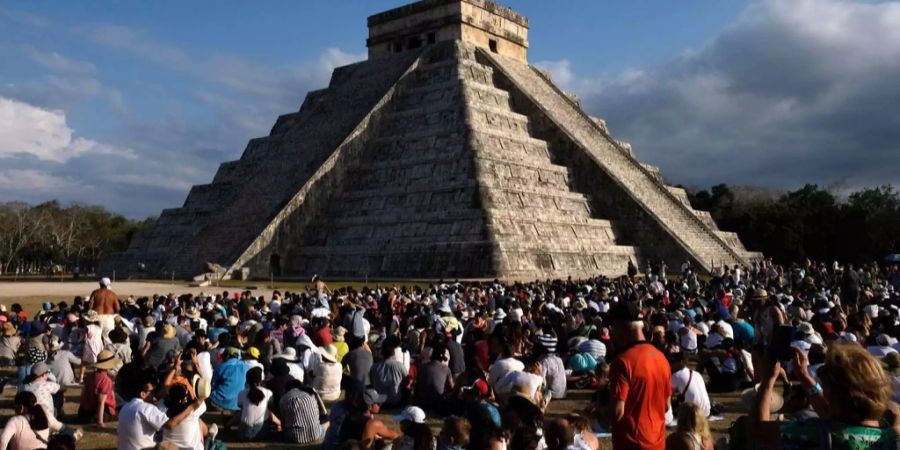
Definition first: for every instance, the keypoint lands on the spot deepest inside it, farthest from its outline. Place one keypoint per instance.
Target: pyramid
(444, 154)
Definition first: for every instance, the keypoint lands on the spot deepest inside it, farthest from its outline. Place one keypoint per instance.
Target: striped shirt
(594, 347)
(300, 417)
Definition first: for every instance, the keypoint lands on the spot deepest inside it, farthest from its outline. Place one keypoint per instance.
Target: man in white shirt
(140, 420)
(504, 365)
(689, 382)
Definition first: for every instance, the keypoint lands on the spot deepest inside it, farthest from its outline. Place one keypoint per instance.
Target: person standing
(106, 303)
(640, 383)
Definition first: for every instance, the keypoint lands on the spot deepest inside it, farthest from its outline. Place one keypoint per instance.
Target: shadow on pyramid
(444, 155)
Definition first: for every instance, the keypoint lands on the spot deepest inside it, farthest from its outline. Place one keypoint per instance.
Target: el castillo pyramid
(443, 155)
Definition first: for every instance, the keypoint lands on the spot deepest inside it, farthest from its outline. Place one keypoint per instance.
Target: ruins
(444, 154)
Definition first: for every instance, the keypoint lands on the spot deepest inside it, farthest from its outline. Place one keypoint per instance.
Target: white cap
(105, 281)
(412, 414)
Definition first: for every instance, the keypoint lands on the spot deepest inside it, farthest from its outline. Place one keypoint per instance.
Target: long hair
(692, 420)
(423, 438)
(254, 379)
(178, 400)
(37, 418)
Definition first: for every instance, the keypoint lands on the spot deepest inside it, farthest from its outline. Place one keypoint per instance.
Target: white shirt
(696, 392)
(501, 367)
(187, 434)
(254, 414)
(138, 422)
(516, 378)
(688, 340)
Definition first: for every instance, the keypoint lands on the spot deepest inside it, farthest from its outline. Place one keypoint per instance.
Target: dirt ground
(31, 294)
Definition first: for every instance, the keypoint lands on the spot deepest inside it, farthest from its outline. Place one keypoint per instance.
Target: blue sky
(128, 103)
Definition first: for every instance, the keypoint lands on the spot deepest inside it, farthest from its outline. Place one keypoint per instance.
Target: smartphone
(780, 348)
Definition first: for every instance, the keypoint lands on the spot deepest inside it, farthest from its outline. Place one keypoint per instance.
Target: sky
(126, 103)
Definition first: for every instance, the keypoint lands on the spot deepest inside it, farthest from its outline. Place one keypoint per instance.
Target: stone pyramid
(443, 155)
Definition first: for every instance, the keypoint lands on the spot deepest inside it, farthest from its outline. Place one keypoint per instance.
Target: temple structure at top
(479, 22)
(443, 155)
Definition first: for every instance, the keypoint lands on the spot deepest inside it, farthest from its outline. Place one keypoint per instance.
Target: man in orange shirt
(640, 381)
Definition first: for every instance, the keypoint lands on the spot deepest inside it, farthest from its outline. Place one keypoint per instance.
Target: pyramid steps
(644, 186)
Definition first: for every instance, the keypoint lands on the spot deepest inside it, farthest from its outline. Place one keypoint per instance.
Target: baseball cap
(40, 369)
(481, 386)
(372, 397)
(412, 414)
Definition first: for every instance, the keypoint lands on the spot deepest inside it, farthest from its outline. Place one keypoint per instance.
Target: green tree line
(51, 238)
(810, 222)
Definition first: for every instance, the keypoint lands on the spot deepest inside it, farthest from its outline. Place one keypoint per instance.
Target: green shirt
(808, 435)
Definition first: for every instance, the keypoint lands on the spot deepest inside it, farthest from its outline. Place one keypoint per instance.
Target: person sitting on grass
(97, 397)
(692, 432)
(256, 421)
(28, 428)
(140, 419)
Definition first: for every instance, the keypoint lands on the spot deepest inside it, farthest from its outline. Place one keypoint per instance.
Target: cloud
(560, 71)
(59, 63)
(226, 70)
(26, 18)
(44, 134)
(793, 91)
(31, 180)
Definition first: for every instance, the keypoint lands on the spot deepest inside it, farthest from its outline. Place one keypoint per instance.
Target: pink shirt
(18, 435)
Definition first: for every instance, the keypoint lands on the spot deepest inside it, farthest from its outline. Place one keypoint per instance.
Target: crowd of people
(810, 348)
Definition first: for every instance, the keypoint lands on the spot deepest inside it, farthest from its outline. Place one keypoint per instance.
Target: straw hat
(9, 329)
(748, 398)
(92, 317)
(106, 360)
(289, 354)
(192, 313)
(339, 333)
(329, 353)
(168, 331)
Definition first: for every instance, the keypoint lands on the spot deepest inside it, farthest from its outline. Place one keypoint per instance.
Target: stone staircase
(454, 185)
(691, 230)
(540, 225)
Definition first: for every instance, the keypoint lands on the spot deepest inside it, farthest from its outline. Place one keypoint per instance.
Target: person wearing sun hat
(290, 356)
(163, 346)
(97, 397)
(93, 339)
(339, 343)
(9, 345)
(328, 374)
